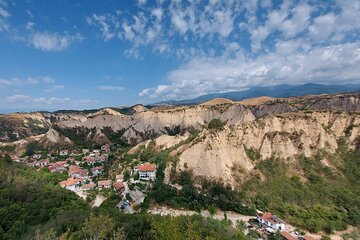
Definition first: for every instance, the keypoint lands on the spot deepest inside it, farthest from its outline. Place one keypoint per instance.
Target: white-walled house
(64, 152)
(71, 184)
(104, 184)
(269, 220)
(105, 148)
(97, 170)
(146, 171)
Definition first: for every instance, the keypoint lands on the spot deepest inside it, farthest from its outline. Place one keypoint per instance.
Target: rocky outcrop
(223, 154)
(53, 138)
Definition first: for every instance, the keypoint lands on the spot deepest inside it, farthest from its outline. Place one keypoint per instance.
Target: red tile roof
(147, 167)
(267, 216)
(77, 170)
(104, 183)
(97, 168)
(69, 182)
(119, 186)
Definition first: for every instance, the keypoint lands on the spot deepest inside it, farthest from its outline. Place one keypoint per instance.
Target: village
(87, 177)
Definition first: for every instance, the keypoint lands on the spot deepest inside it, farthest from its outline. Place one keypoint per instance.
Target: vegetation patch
(216, 124)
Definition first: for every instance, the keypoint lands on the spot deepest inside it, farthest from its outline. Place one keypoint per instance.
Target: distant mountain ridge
(283, 91)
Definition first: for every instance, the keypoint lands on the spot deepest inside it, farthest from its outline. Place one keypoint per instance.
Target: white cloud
(53, 41)
(156, 27)
(298, 22)
(55, 88)
(292, 62)
(142, 2)
(28, 102)
(25, 81)
(28, 12)
(274, 21)
(4, 15)
(29, 25)
(110, 88)
(177, 18)
(102, 22)
(158, 13)
(323, 26)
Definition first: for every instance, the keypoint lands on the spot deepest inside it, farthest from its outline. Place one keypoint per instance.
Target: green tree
(119, 234)
(7, 158)
(97, 227)
(241, 225)
(212, 210)
(216, 124)
(49, 235)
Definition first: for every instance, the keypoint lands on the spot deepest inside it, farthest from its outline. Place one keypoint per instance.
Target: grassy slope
(329, 198)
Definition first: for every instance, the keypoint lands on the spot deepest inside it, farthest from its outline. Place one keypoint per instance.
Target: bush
(216, 124)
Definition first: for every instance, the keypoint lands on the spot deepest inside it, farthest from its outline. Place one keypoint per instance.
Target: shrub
(216, 124)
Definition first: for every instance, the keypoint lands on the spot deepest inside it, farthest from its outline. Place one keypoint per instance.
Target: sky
(85, 54)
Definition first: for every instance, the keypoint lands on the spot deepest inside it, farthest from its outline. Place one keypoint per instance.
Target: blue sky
(72, 54)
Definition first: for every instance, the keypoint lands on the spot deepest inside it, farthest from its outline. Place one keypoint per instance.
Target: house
(64, 152)
(62, 163)
(89, 186)
(85, 151)
(41, 163)
(119, 187)
(37, 156)
(103, 157)
(287, 236)
(97, 170)
(89, 160)
(146, 171)
(77, 172)
(71, 184)
(15, 159)
(105, 148)
(104, 184)
(270, 221)
(100, 159)
(59, 166)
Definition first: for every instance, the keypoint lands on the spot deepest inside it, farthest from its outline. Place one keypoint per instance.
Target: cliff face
(234, 151)
(146, 124)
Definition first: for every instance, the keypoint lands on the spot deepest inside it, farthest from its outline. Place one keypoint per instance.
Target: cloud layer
(19, 101)
(288, 64)
(234, 45)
